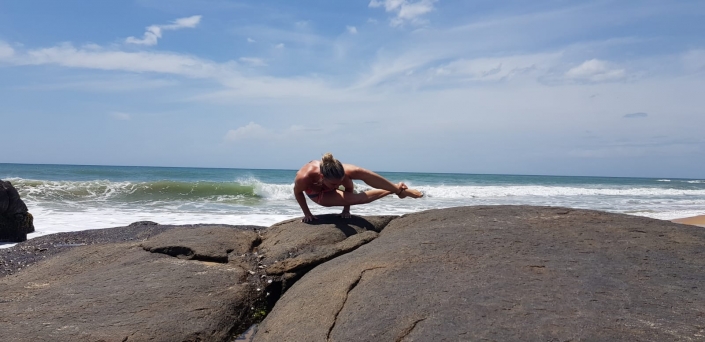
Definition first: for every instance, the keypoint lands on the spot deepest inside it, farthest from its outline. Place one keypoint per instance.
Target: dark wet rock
(507, 273)
(10, 202)
(122, 292)
(15, 221)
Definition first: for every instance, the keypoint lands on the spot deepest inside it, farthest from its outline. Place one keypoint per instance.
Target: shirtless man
(319, 180)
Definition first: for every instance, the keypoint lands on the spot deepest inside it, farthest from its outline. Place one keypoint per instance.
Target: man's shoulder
(351, 169)
(306, 171)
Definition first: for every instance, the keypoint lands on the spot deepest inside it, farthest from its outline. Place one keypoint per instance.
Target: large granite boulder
(148, 281)
(507, 273)
(15, 221)
(291, 248)
(185, 284)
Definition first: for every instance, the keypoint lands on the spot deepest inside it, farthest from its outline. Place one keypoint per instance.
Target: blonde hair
(331, 168)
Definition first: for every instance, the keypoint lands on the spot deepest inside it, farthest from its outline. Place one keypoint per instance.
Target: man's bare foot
(413, 193)
(401, 187)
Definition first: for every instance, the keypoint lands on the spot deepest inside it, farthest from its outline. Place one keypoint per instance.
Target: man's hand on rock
(309, 218)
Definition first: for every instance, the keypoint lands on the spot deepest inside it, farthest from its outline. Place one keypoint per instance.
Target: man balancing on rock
(320, 180)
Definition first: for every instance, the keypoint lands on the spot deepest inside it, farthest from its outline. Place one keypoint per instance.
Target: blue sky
(612, 88)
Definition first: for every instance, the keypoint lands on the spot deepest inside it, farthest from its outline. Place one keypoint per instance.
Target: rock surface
(124, 292)
(207, 244)
(507, 273)
(15, 221)
(291, 248)
(163, 283)
(40, 248)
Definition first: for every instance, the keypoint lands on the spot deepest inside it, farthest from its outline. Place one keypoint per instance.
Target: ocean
(66, 198)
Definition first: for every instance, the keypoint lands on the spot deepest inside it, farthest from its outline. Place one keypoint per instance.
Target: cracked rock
(504, 273)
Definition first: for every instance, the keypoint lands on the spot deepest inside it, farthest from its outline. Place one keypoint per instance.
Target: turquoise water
(74, 197)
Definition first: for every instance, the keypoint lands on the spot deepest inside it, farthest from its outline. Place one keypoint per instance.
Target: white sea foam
(548, 191)
(51, 221)
(667, 215)
(62, 206)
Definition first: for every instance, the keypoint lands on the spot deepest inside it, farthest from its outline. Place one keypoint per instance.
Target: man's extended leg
(376, 181)
(340, 198)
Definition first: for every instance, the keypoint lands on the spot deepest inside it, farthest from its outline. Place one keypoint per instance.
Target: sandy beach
(693, 220)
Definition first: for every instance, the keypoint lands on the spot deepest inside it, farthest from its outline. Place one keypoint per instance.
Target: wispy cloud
(154, 32)
(497, 68)
(405, 11)
(250, 131)
(234, 85)
(98, 58)
(595, 70)
(6, 50)
(351, 29)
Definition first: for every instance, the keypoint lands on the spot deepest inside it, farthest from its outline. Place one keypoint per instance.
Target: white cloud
(150, 37)
(405, 10)
(250, 40)
(235, 86)
(154, 32)
(6, 50)
(188, 22)
(68, 56)
(279, 46)
(595, 70)
(351, 29)
(252, 61)
(120, 116)
(251, 131)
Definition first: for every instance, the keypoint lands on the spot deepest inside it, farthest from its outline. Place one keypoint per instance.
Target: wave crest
(104, 190)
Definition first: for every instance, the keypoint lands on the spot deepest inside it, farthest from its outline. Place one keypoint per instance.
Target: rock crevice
(345, 299)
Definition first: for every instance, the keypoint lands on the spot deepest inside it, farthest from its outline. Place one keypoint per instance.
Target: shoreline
(698, 220)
